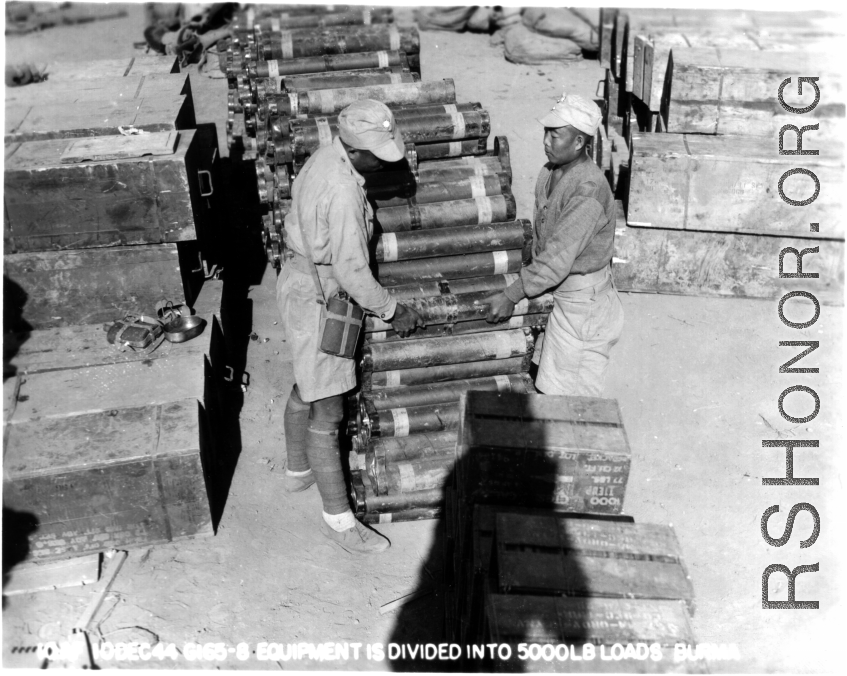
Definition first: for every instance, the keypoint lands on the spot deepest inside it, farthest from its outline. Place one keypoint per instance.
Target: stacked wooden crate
(537, 550)
(109, 208)
(694, 95)
(447, 237)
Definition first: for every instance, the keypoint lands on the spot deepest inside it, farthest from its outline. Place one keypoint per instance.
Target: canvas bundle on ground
(523, 45)
(561, 23)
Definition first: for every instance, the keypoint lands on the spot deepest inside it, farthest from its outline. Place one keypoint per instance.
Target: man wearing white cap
(331, 213)
(572, 252)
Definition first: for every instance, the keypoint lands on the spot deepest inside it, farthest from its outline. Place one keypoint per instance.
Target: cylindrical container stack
(445, 227)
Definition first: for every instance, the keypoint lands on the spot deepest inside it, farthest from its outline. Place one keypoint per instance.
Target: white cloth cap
(576, 111)
(369, 125)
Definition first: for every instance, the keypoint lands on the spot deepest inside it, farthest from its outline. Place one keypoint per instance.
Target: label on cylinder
(501, 259)
(458, 125)
(378, 336)
(503, 383)
(478, 169)
(392, 378)
(394, 37)
(326, 100)
(294, 104)
(522, 307)
(407, 476)
(503, 345)
(401, 422)
(450, 108)
(396, 78)
(324, 131)
(287, 45)
(382, 57)
(366, 17)
(516, 322)
(477, 186)
(274, 23)
(485, 215)
(273, 70)
(389, 247)
(455, 149)
(385, 518)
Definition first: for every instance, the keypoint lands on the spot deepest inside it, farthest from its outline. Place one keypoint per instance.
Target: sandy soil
(697, 380)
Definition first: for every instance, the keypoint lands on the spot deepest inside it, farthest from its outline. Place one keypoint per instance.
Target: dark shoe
(357, 540)
(298, 484)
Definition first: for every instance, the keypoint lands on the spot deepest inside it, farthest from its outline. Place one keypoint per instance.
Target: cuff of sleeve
(387, 313)
(515, 292)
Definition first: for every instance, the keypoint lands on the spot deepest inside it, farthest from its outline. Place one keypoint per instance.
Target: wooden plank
(60, 394)
(728, 184)
(638, 65)
(35, 577)
(147, 64)
(722, 264)
(51, 204)
(120, 147)
(734, 92)
(91, 286)
(99, 89)
(114, 562)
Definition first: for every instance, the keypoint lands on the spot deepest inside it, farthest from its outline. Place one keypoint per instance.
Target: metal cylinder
(476, 211)
(401, 246)
(291, 45)
(403, 421)
(468, 187)
(310, 134)
(367, 501)
(410, 514)
(365, 77)
(451, 267)
(411, 354)
(439, 374)
(441, 149)
(358, 17)
(414, 447)
(441, 393)
(415, 475)
(333, 101)
(328, 63)
(529, 321)
(450, 309)
(491, 283)
(496, 161)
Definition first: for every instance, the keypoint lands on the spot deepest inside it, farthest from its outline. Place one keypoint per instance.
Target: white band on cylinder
(392, 378)
(366, 17)
(522, 307)
(287, 46)
(450, 108)
(407, 476)
(273, 70)
(396, 78)
(503, 344)
(389, 247)
(478, 169)
(378, 336)
(385, 518)
(455, 149)
(501, 261)
(393, 37)
(324, 131)
(401, 422)
(485, 215)
(477, 186)
(516, 322)
(458, 125)
(503, 383)
(326, 100)
(511, 278)
(294, 104)
(275, 23)
(382, 56)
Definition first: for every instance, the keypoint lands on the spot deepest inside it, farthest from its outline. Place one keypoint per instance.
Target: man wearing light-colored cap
(572, 252)
(330, 211)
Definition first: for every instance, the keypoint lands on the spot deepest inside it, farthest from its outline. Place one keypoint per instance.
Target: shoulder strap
(307, 245)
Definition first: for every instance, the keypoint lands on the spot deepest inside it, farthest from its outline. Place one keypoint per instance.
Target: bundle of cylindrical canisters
(446, 232)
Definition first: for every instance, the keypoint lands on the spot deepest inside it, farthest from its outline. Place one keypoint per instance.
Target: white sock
(290, 473)
(340, 522)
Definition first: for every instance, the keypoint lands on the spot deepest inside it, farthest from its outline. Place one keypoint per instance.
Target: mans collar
(339, 147)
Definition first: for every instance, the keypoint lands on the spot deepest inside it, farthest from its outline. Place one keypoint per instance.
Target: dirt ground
(697, 381)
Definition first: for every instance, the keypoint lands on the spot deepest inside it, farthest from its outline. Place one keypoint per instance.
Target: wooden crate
(729, 184)
(108, 191)
(148, 64)
(89, 286)
(730, 91)
(99, 108)
(602, 622)
(528, 449)
(554, 556)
